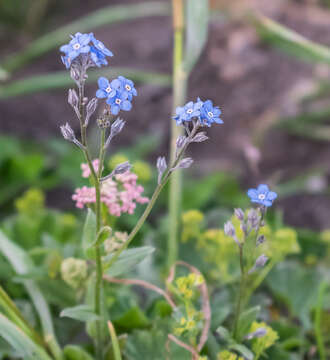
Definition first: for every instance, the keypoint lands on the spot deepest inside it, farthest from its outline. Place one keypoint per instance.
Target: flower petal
(262, 188)
(252, 193)
(103, 82)
(271, 195)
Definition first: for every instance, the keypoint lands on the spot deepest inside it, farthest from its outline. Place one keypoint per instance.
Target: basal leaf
(80, 312)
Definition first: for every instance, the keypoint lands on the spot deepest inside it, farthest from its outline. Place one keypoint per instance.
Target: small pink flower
(85, 168)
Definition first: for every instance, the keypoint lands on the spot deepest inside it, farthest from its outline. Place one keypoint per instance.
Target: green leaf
(243, 350)
(197, 28)
(74, 352)
(103, 234)
(104, 16)
(114, 340)
(290, 41)
(89, 234)
(80, 312)
(246, 319)
(20, 341)
(61, 79)
(289, 281)
(127, 260)
(224, 334)
(132, 319)
(22, 265)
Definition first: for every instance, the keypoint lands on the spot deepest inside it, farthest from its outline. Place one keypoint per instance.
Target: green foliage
(260, 344)
(80, 312)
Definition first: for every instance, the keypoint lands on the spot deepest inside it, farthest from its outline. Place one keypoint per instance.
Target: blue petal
(189, 105)
(126, 105)
(271, 195)
(103, 82)
(262, 188)
(115, 109)
(116, 84)
(84, 39)
(252, 193)
(101, 94)
(65, 48)
(267, 203)
(218, 120)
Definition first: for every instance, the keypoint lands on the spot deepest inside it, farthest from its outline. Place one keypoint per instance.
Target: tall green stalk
(179, 95)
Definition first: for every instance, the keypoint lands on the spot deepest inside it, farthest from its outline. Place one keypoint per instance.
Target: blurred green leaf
(74, 352)
(132, 319)
(245, 320)
(61, 79)
(20, 341)
(243, 350)
(80, 312)
(114, 341)
(127, 260)
(89, 234)
(290, 41)
(104, 16)
(197, 18)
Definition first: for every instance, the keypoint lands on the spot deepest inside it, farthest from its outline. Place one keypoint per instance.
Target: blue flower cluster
(118, 93)
(262, 195)
(204, 111)
(85, 44)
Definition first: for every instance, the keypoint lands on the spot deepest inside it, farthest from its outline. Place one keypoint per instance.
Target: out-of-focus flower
(77, 45)
(85, 168)
(120, 194)
(262, 195)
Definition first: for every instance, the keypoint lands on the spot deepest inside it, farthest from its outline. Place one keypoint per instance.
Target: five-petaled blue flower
(187, 112)
(105, 88)
(125, 85)
(119, 102)
(78, 45)
(85, 44)
(262, 195)
(210, 114)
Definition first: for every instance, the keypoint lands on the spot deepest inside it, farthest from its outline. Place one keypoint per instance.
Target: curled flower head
(85, 44)
(188, 112)
(262, 195)
(210, 114)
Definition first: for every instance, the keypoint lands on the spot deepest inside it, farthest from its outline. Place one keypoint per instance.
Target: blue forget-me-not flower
(119, 102)
(105, 89)
(187, 112)
(210, 114)
(125, 85)
(262, 195)
(85, 44)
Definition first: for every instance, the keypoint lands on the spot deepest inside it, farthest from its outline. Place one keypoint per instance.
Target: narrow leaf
(115, 343)
(20, 341)
(89, 234)
(197, 28)
(74, 352)
(80, 312)
(243, 350)
(245, 321)
(127, 260)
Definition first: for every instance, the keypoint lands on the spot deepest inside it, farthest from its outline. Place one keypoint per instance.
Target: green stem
(241, 291)
(317, 322)
(179, 95)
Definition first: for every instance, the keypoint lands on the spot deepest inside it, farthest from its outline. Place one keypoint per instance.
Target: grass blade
(105, 16)
(115, 343)
(61, 79)
(290, 41)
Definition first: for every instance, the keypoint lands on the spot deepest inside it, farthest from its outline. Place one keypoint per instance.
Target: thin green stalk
(15, 315)
(179, 95)
(241, 291)
(317, 322)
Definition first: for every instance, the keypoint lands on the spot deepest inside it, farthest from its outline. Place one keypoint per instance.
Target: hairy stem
(240, 293)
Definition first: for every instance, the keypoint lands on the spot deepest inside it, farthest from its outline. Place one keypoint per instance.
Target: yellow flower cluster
(227, 355)
(192, 222)
(189, 324)
(32, 201)
(187, 284)
(260, 344)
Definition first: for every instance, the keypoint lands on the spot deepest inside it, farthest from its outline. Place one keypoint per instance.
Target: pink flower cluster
(119, 194)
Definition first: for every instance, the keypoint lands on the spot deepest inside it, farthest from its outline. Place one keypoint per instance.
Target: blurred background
(274, 96)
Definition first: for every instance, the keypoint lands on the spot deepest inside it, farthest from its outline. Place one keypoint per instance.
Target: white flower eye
(117, 101)
(108, 89)
(261, 196)
(210, 114)
(76, 46)
(127, 87)
(189, 111)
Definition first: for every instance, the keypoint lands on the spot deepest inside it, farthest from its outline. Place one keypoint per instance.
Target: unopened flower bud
(74, 271)
(75, 74)
(116, 128)
(260, 263)
(67, 132)
(73, 99)
(122, 168)
(200, 137)
(256, 334)
(161, 166)
(229, 229)
(85, 100)
(239, 214)
(90, 109)
(261, 239)
(185, 163)
(253, 218)
(180, 141)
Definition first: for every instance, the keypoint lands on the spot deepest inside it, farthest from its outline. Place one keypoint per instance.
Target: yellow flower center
(127, 87)
(108, 89)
